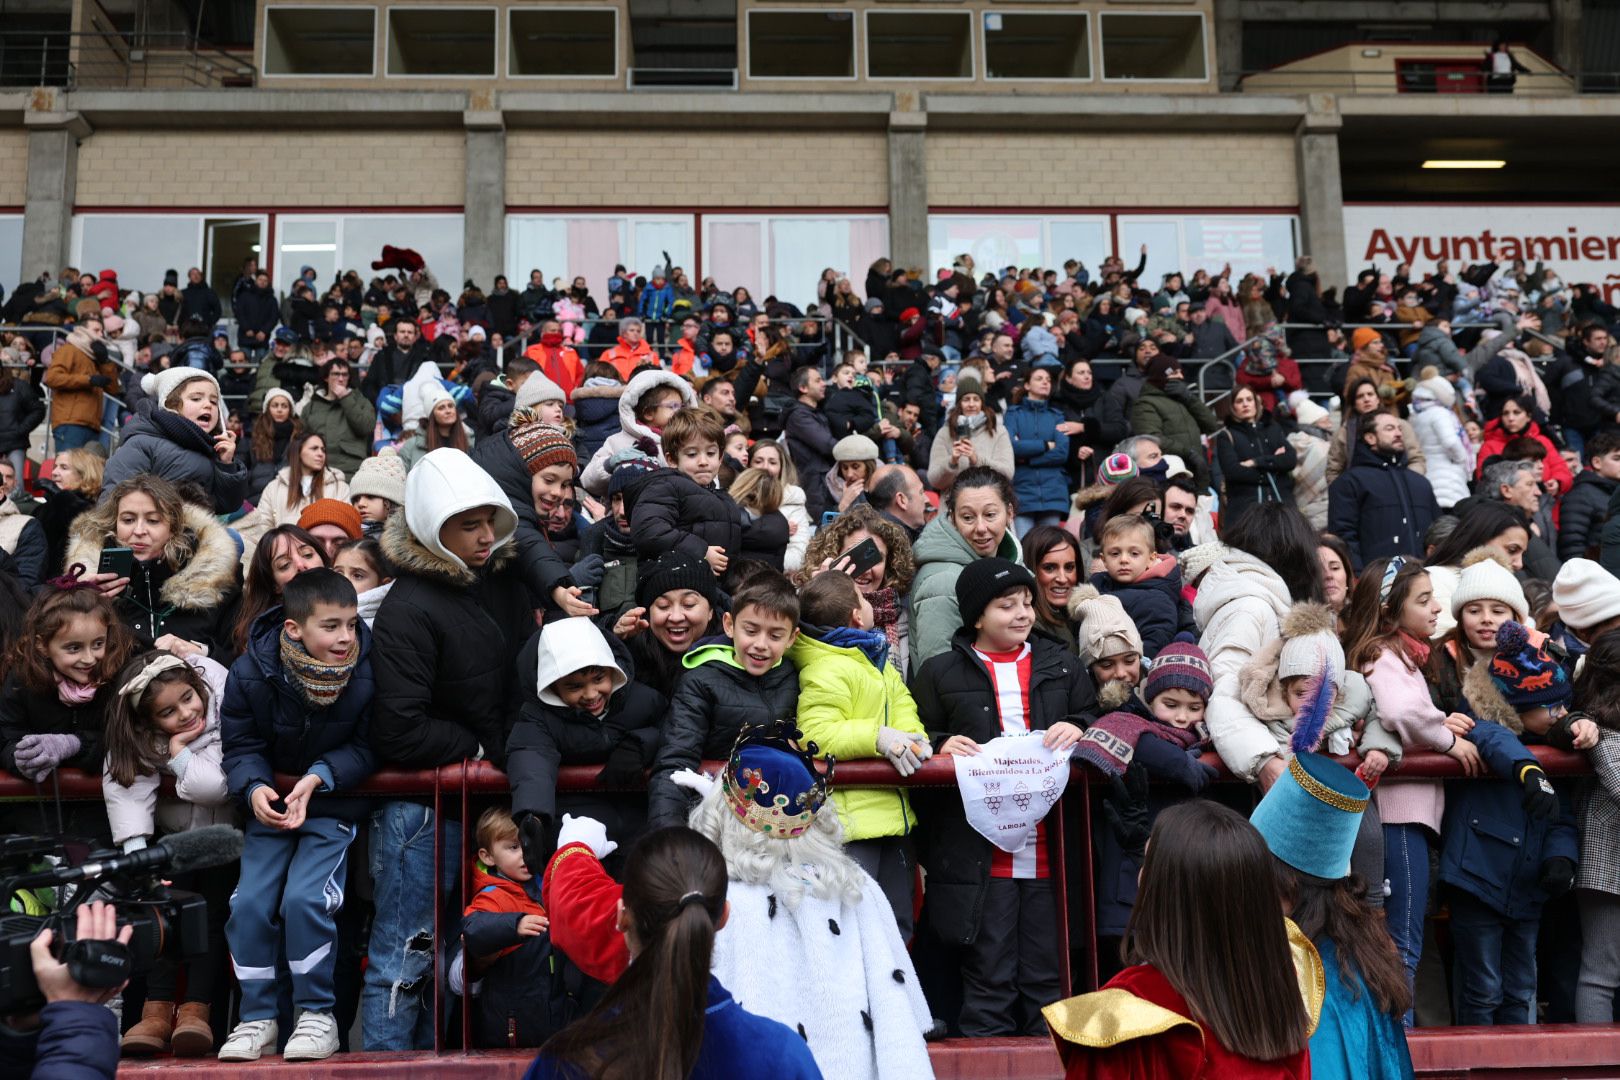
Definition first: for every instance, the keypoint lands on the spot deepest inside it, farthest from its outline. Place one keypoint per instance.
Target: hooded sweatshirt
(633, 433)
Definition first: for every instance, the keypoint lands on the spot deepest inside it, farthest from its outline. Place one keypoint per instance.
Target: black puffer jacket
(1106, 427)
(669, 511)
(542, 568)
(1380, 507)
(810, 444)
(956, 696)
(548, 736)
(714, 701)
(765, 538)
(1582, 515)
(21, 411)
(1271, 476)
(24, 712)
(444, 653)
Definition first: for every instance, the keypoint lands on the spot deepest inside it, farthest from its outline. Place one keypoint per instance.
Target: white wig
(812, 862)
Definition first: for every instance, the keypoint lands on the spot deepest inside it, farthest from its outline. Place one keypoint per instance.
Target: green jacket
(843, 700)
(941, 552)
(1177, 423)
(347, 427)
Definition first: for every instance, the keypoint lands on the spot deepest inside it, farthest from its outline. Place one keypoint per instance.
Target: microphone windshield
(197, 849)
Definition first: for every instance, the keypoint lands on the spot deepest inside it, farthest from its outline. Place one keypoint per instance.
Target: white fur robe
(839, 975)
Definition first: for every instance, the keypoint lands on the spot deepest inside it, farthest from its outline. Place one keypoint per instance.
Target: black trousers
(1011, 970)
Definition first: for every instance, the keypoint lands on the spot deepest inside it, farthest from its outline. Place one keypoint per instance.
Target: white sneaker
(249, 1040)
(314, 1038)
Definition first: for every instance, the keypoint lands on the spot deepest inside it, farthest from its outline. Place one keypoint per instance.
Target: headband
(154, 667)
(1395, 566)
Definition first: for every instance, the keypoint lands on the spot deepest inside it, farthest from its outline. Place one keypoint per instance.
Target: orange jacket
(583, 901)
(626, 358)
(73, 399)
(501, 895)
(558, 362)
(682, 360)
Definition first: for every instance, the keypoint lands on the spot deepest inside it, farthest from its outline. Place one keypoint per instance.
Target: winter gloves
(624, 765)
(1540, 801)
(1184, 767)
(588, 572)
(1557, 876)
(534, 836)
(37, 755)
(905, 751)
(1126, 808)
(587, 831)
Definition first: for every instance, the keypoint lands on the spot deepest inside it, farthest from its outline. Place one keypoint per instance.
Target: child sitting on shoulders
(509, 956)
(1147, 582)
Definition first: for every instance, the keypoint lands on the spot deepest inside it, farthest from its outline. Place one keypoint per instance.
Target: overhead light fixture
(254, 248)
(1463, 163)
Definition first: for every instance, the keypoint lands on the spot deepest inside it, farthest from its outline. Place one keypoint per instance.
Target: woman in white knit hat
(183, 440)
(440, 425)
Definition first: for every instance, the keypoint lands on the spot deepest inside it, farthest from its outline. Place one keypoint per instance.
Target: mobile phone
(963, 430)
(118, 561)
(863, 556)
(828, 517)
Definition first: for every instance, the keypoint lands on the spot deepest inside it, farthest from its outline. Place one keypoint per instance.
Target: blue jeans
(1406, 866)
(73, 436)
(1575, 441)
(1025, 522)
(291, 888)
(396, 1004)
(1494, 978)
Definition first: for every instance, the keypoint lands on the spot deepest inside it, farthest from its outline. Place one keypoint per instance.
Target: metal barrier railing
(106, 59)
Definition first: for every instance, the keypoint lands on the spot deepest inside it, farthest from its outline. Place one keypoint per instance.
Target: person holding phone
(184, 439)
(970, 436)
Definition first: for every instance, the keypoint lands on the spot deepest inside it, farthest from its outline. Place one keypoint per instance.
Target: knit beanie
(1586, 594)
(1159, 369)
(968, 381)
(1528, 677)
(1196, 560)
(855, 448)
(272, 394)
(674, 571)
(333, 512)
(160, 384)
(1363, 337)
(1134, 315)
(1310, 640)
(540, 445)
(537, 389)
(626, 467)
(1485, 576)
(1437, 388)
(382, 476)
(1179, 665)
(1309, 413)
(982, 580)
(429, 396)
(1103, 628)
(1116, 469)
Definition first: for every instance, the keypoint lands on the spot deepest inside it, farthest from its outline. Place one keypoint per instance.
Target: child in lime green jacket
(853, 704)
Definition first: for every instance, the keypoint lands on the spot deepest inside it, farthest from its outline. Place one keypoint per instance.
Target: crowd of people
(381, 527)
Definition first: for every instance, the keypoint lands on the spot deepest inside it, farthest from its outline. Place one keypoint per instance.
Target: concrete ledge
(539, 108)
(1100, 112)
(232, 108)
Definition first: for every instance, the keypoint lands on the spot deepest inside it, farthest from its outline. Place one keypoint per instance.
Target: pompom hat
(1485, 576)
(1179, 665)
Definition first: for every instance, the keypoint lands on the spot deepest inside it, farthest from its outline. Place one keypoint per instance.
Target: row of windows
(793, 43)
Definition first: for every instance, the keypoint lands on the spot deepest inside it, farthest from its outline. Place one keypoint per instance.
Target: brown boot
(193, 1035)
(151, 1035)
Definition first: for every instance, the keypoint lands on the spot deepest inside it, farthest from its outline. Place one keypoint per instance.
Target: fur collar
(1258, 688)
(206, 579)
(1486, 700)
(604, 392)
(410, 556)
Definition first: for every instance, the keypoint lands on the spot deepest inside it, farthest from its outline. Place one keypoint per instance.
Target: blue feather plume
(1313, 713)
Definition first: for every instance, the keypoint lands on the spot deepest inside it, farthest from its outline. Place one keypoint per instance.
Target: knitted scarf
(319, 683)
(1110, 743)
(71, 693)
(177, 429)
(886, 614)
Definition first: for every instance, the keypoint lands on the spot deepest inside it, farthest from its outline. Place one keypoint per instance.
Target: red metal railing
(1572, 1051)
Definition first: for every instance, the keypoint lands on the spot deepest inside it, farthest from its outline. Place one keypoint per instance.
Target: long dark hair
(1484, 521)
(1124, 498)
(1037, 543)
(52, 610)
(263, 435)
(649, 1024)
(1278, 535)
(296, 471)
(1372, 620)
(985, 410)
(1597, 687)
(259, 593)
(134, 745)
(1209, 918)
(1338, 910)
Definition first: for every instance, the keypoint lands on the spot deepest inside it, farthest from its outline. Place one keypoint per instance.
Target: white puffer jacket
(631, 431)
(1448, 453)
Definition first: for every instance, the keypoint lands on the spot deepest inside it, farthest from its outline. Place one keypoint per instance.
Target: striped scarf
(319, 683)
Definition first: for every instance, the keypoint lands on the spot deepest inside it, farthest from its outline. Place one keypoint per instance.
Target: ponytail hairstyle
(1372, 619)
(135, 746)
(54, 609)
(1597, 687)
(649, 1024)
(1338, 910)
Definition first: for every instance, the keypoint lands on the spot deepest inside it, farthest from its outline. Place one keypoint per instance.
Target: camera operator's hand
(97, 922)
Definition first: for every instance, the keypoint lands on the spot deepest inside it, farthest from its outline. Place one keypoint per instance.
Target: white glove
(587, 831)
(700, 782)
(905, 751)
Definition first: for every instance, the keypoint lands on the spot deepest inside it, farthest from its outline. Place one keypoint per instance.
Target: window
(11, 230)
(1153, 46)
(783, 255)
(1000, 240)
(1250, 242)
(438, 42)
(1036, 45)
(801, 45)
(590, 245)
(320, 41)
(330, 242)
(919, 45)
(563, 43)
(141, 247)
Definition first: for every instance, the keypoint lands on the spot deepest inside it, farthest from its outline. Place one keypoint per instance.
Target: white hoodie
(443, 484)
(595, 477)
(566, 646)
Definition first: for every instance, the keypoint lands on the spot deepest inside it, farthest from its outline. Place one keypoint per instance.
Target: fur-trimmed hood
(1090, 496)
(637, 389)
(1486, 700)
(443, 484)
(1260, 691)
(410, 556)
(206, 579)
(586, 391)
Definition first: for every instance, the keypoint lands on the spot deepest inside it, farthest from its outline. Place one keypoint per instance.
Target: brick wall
(253, 169)
(1111, 170)
(631, 168)
(13, 167)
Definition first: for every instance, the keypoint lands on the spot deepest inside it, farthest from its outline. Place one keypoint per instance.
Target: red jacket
(558, 362)
(583, 901)
(1261, 384)
(1171, 1045)
(1554, 468)
(501, 895)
